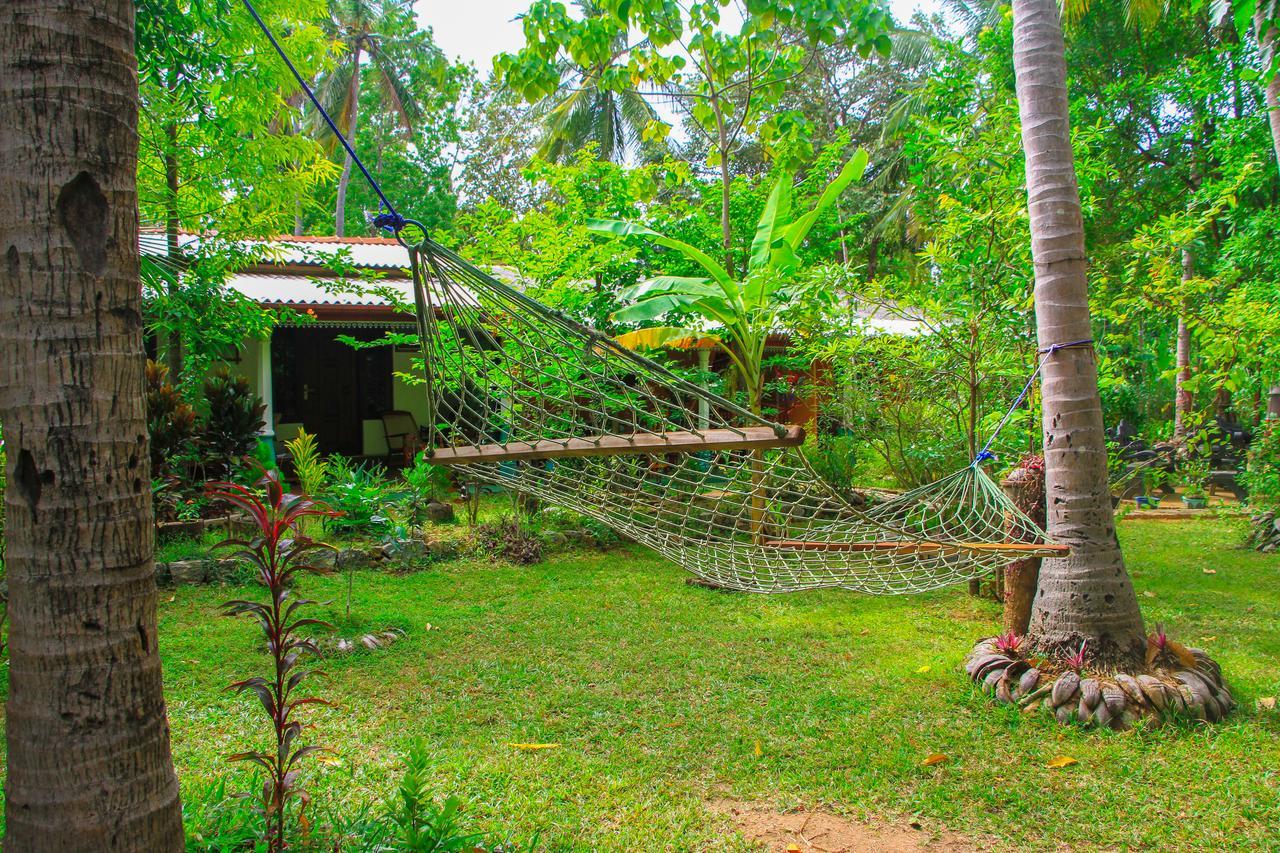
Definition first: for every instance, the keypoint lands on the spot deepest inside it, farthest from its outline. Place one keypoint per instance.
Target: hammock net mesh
(527, 399)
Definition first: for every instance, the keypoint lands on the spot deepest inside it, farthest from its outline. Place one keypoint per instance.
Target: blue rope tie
(391, 221)
(985, 454)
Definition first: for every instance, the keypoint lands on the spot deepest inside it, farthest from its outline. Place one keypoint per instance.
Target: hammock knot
(391, 221)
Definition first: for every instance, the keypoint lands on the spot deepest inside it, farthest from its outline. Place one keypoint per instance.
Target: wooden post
(1025, 487)
(1273, 403)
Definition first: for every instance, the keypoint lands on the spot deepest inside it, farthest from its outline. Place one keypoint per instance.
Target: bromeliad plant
(278, 553)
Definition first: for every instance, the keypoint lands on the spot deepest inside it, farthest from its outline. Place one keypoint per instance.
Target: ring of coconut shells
(1116, 701)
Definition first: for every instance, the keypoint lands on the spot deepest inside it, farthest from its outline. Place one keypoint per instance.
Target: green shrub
(310, 468)
(361, 494)
(1262, 472)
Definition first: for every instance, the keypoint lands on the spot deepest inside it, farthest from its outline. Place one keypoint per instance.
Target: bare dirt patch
(812, 831)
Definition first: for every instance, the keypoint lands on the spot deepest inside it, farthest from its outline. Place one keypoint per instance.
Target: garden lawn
(665, 697)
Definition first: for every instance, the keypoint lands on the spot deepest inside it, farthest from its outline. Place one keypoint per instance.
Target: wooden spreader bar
(746, 438)
(1030, 549)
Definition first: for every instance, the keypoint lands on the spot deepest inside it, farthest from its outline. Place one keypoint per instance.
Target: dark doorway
(328, 386)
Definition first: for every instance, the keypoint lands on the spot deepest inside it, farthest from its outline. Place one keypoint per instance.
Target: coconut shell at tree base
(1180, 683)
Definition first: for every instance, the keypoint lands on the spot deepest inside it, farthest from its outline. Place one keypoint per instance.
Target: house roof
(295, 273)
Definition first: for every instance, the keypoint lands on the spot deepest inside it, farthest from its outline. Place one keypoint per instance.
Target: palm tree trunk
(1087, 596)
(340, 209)
(89, 765)
(1182, 358)
(173, 247)
(1267, 39)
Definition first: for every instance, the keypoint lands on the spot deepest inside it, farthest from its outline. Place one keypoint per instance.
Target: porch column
(704, 405)
(268, 433)
(1273, 403)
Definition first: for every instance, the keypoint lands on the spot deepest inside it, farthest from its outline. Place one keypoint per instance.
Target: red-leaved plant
(1076, 661)
(277, 551)
(1008, 644)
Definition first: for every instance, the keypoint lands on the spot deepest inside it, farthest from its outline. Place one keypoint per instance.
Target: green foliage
(420, 824)
(230, 427)
(741, 313)
(361, 494)
(423, 483)
(1262, 473)
(838, 460)
(310, 468)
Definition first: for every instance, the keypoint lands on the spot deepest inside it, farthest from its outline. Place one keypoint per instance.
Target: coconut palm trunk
(88, 762)
(1087, 596)
(1182, 399)
(1268, 38)
(340, 208)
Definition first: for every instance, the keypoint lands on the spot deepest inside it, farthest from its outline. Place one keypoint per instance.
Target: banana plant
(740, 312)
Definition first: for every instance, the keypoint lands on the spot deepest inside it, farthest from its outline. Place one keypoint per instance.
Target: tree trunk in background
(173, 247)
(1268, 37)
(88, 759)
(340, 208)
(1086, 596)
(1181, 396)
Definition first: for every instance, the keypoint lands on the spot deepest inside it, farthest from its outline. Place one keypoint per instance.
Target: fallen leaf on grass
(331, 760)
(1210, 571)
(1148, 593)
(1267, 703)
(934, 758)
(533, 746)
(1207, 639)
(924, 668)
(1061, 761)
(794, 848)
(759, 751)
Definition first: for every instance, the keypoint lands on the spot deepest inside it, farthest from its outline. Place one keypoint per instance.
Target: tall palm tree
(89, 765)
(1086, 597)
(362, 27)
(589, 113)
(583, 111)
(1265, 16)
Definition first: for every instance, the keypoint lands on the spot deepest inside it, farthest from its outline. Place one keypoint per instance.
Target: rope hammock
(524, 398)
(530, 400)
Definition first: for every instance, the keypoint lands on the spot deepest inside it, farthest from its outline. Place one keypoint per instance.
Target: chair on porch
(404, 439)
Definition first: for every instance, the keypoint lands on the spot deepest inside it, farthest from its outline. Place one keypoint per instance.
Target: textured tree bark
(1181, 396)
(1268, 36)
(89, 766)
(1025, 487)
(1086, 597)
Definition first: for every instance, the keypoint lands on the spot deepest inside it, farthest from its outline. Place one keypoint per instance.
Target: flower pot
(1147, 501)
(1196, 502)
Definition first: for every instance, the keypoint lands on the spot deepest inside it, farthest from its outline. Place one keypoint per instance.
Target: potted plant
(1153, 478)
(1193, 477)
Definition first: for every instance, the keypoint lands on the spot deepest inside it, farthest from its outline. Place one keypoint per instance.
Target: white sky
(478, 30)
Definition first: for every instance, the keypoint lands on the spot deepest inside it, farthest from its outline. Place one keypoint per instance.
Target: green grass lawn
(659, 693)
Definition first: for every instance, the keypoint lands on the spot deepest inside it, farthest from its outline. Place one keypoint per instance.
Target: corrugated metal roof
(301, 290)
(367, 252)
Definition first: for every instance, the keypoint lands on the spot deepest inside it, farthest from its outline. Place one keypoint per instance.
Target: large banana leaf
(773, 222)
(618, 228)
